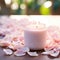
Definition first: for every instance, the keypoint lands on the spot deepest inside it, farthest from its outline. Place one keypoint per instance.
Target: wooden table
(26, 57)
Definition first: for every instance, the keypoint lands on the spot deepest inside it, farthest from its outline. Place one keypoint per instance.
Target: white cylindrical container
(35, 36)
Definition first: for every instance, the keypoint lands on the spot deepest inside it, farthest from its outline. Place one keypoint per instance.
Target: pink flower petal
(54, 53)
(4, 43)
(19, 53)
(25, 49)
(45, 53)
(8, 51)
(32, 53)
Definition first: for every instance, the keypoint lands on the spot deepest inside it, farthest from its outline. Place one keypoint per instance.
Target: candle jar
(35, 36)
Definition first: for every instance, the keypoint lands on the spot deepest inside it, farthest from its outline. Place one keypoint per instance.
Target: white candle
(35, 36)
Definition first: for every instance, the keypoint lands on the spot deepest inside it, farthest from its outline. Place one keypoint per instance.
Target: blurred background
(29, 7)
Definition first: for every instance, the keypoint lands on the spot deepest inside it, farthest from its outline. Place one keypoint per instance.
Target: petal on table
(19, 53)
(32, 53)
(8, 51)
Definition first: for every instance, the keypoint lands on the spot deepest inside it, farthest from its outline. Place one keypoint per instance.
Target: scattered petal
(19, 53)
(25, 49)
(4, 43)
(8, 51)
(14, 45)
(54, 53)
(32, 53)
(2, 36)
(45, 53)
(54, 32)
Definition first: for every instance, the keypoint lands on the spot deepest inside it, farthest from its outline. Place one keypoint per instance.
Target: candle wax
(35, 36)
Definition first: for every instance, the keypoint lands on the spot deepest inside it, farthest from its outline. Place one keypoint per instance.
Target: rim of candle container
(35, 30)
(41, 29)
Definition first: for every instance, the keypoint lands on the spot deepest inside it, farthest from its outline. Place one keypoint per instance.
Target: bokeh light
(8, 2)
(48, 4)
(34, 7)
(14, 6)
(23, 6)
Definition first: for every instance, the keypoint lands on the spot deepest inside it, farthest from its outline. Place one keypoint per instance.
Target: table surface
(48, 20)
(26, 57)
